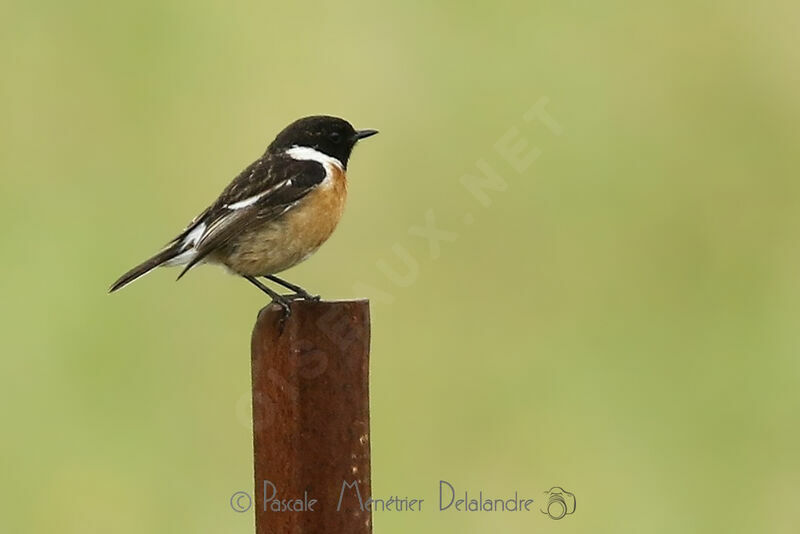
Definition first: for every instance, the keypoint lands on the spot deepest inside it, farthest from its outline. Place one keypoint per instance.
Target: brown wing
(262, 192)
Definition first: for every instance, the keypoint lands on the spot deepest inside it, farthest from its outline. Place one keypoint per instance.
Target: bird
(275, 214)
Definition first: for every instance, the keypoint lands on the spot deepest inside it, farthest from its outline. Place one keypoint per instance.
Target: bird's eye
(335, 137)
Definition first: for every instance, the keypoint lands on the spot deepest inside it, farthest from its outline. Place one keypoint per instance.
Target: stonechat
(274, 214)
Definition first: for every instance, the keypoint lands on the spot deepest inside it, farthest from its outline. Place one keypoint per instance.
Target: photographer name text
(450, 498)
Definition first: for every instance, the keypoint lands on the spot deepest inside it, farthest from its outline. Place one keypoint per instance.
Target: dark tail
(147, 266)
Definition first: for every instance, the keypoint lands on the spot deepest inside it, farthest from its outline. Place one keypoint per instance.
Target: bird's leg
(277, 298)
(299, 291)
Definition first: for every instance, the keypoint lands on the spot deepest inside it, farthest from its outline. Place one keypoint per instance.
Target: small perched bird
(275, 214)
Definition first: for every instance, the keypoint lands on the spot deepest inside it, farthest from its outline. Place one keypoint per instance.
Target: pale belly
(292, 238)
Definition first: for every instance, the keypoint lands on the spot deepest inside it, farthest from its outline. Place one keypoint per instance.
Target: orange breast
(296, 235)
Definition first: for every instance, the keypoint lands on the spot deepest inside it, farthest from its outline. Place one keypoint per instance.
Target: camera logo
(559, 504)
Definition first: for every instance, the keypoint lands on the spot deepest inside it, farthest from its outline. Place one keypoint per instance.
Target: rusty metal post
(311, 419)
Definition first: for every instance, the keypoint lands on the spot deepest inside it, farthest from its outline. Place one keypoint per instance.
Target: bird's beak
(363, 134)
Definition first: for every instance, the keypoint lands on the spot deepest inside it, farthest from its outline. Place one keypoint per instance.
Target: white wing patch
(181, 259)
(188, 251)
(244, 203)
(255, 198)
(195, 235)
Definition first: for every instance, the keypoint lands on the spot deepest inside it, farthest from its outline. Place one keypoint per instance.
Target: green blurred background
(621, 320)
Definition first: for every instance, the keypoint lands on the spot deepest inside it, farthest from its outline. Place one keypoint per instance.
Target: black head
(330, 135)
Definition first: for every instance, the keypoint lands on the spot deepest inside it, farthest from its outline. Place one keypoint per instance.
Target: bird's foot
(299, 292)
(301, 295)
(286, 309)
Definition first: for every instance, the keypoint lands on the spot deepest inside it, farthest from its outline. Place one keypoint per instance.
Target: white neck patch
(305, 153)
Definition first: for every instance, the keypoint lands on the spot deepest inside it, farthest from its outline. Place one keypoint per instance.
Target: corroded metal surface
(311, 418)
